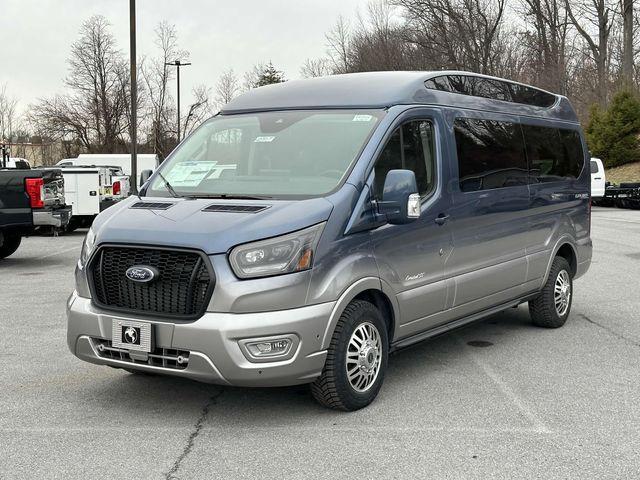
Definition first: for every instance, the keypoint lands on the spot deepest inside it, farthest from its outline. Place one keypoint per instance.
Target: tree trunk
(627, 42)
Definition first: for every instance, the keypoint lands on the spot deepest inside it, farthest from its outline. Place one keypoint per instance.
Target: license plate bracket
(132, 335)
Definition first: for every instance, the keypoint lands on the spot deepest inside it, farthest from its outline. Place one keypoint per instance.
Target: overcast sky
(35, 36)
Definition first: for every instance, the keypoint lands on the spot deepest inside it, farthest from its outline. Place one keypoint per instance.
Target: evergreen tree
(614, 134)
(268, 74)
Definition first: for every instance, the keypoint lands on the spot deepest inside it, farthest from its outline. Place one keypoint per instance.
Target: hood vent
(152, 205)
(222, 207)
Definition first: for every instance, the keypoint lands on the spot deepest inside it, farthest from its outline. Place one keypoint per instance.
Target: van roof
(384, 89)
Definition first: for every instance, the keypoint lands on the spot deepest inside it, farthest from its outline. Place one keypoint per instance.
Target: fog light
(269, 348)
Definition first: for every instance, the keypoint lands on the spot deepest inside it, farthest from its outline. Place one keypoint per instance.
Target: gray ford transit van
(315, 226)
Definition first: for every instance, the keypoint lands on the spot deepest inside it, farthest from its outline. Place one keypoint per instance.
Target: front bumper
(53, 218)
(212, 340)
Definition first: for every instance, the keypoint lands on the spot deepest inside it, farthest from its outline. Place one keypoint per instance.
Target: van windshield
(267, 154)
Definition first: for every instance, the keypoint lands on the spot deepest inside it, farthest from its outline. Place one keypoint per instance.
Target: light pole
(134, 97)
(178, 64)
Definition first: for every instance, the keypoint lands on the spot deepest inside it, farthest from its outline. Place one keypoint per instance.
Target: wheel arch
(373, 290)
(565, 247)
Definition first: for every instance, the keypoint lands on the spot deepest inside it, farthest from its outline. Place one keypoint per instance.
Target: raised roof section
(385, 89)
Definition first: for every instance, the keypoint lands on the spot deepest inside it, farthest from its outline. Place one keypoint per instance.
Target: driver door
(411, 257)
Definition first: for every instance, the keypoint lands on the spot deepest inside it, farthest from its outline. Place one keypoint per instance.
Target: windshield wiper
(171, 190)
(232, 196)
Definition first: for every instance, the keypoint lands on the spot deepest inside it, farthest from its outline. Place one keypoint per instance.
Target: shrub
(613, 134)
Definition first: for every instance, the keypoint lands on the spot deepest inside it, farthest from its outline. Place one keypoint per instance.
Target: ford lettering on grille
(141, 273)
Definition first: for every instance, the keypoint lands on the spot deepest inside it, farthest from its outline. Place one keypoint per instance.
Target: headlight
(87, 247)
(286, 254)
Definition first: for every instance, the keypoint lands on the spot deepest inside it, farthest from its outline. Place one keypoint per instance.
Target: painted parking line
(53, 254)
(508, 392)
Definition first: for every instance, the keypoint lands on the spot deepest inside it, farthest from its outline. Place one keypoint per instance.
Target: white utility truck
(598, 179)
(122, 160)
(90, 190)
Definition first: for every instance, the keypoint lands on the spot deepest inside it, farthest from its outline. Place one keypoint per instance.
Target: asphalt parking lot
(529, 403)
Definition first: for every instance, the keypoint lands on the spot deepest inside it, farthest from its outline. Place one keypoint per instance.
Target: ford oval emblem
(141, 273)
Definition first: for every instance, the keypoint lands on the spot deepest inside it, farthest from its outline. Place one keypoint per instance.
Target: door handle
(442, 219)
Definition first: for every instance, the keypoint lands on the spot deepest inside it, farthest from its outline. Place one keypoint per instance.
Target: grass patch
(625, 173)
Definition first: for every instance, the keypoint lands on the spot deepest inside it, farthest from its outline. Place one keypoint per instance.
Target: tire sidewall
(560, 265)
(365, 313)
(10, 245)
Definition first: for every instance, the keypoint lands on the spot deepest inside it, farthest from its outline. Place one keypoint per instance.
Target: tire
(9, 245)
(332, 388)
(545, 311)
(73, 225)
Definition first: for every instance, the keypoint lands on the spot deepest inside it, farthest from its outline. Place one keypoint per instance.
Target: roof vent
(152, 205)
(221, 207)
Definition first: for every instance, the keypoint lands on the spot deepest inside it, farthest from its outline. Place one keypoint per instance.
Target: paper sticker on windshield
(264, 139)
(362, 118)
(189, 174)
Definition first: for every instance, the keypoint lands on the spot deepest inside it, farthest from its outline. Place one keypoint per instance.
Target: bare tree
(338, 46)
(546, 43)
(8, 114)
(95, 108)
(461, 34)
(318, 67)
(227, 88)
(156, 77)
(379, 42)
(627, 43)
(593, 20)
(199, 110)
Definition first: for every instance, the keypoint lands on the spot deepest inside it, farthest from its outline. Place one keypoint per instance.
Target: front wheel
(10, 244)
(356, 360)
(551, 308)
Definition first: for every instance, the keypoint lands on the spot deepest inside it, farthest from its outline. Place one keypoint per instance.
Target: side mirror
(144, 176)
(400, 199)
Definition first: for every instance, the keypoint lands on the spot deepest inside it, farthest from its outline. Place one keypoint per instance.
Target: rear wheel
(10, 244)
(551, 308)
(356, 360)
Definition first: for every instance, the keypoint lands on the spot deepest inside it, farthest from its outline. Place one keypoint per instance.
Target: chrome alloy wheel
(364, 357)
(562, 292)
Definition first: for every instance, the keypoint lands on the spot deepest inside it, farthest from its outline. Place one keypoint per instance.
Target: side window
(490, 154)
(491, 88)
(554, 154)
(573, 152)
(594, 167)
(410, 147)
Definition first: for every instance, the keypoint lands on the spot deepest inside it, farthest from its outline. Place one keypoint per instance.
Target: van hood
(186, 222)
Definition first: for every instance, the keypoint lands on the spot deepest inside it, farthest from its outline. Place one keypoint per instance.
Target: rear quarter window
(554, 154)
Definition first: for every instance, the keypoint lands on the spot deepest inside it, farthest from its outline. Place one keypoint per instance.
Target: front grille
(159, 357)
(182, 288)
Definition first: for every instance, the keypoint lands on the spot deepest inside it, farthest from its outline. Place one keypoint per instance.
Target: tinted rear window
(490, 154)
(554, 154)
(491, 88)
